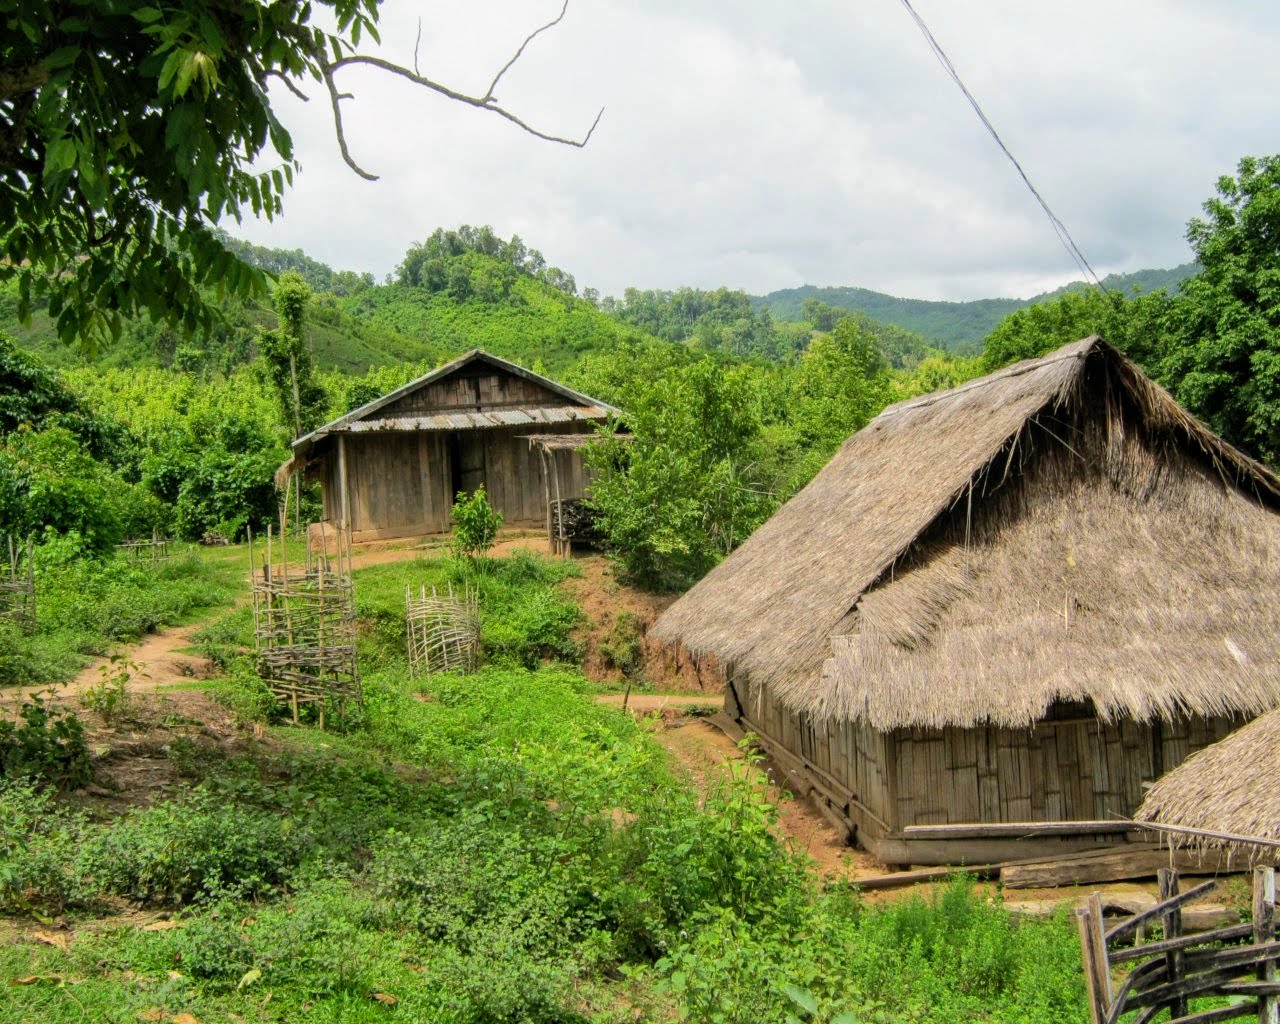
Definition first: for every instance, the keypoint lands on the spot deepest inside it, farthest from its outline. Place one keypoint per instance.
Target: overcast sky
(762, 144)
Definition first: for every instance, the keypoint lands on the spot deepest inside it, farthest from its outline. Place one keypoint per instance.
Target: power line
(1060, 229)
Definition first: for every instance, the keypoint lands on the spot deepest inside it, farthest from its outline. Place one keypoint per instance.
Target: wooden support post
(1093, 950)
(1173, 930)
(1264, 928)
(344, 490)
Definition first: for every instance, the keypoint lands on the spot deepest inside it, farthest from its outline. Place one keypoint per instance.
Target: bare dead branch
(289, 85)
(330, 67)
(488, 94)
(480, 102)
(335, 101)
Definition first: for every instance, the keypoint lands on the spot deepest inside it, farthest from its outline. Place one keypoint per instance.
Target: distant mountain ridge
(956, 326)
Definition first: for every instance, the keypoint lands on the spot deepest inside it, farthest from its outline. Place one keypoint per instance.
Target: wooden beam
(1015, 829)
(343, 488)
(1112, 866)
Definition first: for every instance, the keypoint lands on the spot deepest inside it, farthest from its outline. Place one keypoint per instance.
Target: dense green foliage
(128, 131)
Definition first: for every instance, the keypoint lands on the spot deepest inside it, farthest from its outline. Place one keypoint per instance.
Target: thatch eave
(783, 607)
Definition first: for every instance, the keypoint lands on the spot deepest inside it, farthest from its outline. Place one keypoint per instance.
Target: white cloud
(763, 145)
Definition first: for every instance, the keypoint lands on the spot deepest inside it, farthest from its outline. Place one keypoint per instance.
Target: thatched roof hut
(1058, 541)
(1226, 796)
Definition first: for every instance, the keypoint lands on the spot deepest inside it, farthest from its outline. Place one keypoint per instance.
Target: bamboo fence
(18, 585)
(153, 551)
(443, 631)
(304, 620)
(1236, 963)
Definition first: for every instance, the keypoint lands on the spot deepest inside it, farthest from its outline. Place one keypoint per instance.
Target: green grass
(485, 848)
(86, 607)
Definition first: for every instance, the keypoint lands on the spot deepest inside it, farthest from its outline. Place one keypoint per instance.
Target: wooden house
(1001, 610)
(395, 466)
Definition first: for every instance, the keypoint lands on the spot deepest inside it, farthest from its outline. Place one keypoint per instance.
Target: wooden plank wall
(471, 389)
(401, 484)
(1056, 771)
(398, 482)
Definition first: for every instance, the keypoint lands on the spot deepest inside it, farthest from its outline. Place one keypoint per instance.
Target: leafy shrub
(199, 849)
(110, 696)
(475, 524)
(38, 843)
(46, 745)
(215, 946)
(624, 647)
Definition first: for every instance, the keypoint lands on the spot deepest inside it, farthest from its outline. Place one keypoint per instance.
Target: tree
(128, 128)
(687, 488)
(288, 357)
(1223, 357)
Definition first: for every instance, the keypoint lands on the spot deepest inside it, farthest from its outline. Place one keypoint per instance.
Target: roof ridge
(1079, 350)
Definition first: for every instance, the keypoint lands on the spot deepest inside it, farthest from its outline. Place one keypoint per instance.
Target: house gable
(480, 386)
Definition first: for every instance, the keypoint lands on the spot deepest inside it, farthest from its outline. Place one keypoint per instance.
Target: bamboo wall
(1076, 770)
(850, 754)
(401, 484)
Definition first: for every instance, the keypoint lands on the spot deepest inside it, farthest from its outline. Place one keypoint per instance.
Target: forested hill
(455, 291)
(956, 326)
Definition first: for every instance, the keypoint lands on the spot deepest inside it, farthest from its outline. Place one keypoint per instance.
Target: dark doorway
(466, 463)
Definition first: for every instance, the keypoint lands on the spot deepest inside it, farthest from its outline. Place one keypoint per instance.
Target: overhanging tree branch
(329, 69)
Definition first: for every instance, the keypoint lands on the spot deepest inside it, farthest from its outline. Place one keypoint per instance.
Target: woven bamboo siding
(1056, 771)
(851, 754)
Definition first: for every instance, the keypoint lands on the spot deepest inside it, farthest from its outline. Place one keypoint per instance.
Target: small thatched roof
(1058, 531)
(1229, 789)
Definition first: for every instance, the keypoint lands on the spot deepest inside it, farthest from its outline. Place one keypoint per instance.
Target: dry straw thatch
(1227, 788)
(1058, 531)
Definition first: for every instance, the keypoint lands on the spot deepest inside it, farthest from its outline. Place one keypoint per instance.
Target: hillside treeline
(731, 411)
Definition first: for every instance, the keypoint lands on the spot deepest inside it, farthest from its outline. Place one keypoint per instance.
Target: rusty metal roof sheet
(472, 420)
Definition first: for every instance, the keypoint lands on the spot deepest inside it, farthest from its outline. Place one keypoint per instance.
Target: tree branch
(289, 85)
(488, 95)
(335, 101)
(480, 102)
(329, 68)
(25, 78)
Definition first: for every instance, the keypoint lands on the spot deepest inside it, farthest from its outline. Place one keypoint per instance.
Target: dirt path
(157, 659)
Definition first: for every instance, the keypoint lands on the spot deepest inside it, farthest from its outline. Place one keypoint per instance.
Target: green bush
(475, 524)
(38, 844)
(199, 849)
(46, 745)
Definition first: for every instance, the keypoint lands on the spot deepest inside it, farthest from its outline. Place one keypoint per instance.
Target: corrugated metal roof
(472, 420)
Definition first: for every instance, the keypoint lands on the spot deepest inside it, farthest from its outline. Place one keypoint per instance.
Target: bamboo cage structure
(153, 551)
(18, 585)
(304, 626)
(443, 631)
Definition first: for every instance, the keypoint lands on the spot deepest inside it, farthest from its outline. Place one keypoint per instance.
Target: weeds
(109, 697)
(47, 744)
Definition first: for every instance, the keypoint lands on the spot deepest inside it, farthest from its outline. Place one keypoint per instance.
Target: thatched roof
(1228, 788)
(1058, 531)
